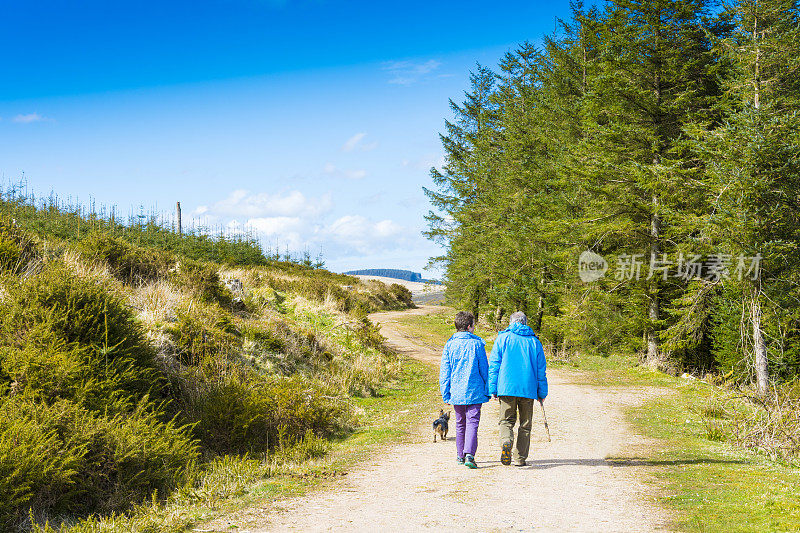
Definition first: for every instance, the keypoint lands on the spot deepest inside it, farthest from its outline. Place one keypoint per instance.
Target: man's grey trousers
(509, 407)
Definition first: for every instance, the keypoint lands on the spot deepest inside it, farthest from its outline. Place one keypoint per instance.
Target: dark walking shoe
(460, 460)
(505, 455)
(470, 461)
(520, 462)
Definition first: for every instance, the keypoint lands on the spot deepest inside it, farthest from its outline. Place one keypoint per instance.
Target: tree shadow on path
(543, 464)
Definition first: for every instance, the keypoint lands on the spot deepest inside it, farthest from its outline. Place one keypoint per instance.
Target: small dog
(440, 425)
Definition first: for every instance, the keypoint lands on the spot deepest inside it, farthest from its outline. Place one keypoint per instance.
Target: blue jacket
(517, 366)
(465, 371)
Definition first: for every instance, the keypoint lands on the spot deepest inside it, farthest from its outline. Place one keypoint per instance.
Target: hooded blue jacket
(464, 372)
(517, 366)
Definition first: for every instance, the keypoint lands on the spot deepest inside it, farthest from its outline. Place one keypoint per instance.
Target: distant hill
(395, 273)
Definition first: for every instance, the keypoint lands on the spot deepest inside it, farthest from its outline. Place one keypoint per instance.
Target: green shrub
(288, 348)
(128, 262)
(34, 463)
(298, 450)
(132, 455)
(402, 294)
(16, 247)
(43, 366)
(95, 347)
(247, 413)
(63, 459)
(261, 298)
(202, 281)
(204, 332)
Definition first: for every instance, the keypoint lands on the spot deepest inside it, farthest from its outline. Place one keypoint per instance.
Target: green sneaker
(460, 460)
(505, 455)
(469, 461)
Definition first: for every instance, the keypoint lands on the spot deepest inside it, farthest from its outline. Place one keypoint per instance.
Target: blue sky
(313, 122)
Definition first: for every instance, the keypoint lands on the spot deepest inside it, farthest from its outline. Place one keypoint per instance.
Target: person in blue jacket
(518, 377)
(463, 378)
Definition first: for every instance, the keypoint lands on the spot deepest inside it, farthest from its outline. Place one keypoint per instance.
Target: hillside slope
(127, 371)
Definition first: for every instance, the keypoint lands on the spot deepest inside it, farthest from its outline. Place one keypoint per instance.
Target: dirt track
(567, 486)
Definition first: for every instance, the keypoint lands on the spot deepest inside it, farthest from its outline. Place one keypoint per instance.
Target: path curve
(567, 486)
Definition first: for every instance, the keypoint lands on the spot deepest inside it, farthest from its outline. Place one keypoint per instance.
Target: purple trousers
(467, 419)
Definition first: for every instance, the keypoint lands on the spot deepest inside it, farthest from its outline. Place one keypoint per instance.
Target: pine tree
(458, 200)
(655, 77)
(754, 159)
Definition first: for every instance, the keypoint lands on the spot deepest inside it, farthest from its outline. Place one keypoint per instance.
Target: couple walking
(515, 374)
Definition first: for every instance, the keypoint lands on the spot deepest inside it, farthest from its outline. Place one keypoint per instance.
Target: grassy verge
(704, 484)
(711, 485)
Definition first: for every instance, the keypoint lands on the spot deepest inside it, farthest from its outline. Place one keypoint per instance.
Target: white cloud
(244, 204)
(331, 170)
(362, 234)
(409, 72)
(28, 118)
(354, 143)
(276, 225)
(351, 143)
(297, 222)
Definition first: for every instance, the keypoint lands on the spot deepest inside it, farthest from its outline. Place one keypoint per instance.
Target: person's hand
(541, 401)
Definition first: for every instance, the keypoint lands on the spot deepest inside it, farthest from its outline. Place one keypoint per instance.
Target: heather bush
(201, 281)
(402, 294)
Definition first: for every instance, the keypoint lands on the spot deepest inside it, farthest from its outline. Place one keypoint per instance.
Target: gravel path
(567, 486)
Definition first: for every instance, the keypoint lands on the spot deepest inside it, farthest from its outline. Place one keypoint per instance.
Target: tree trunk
(757, 69)
(759, 347)
(476, 304)
(654, 359)
(498, 316)
(654, 311)
(539, 314)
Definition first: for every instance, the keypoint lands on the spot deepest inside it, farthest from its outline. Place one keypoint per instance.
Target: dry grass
(157, 301)
(84, 268)
(769, 425)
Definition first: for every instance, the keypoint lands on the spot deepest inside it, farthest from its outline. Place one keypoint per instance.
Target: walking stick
(546, 427)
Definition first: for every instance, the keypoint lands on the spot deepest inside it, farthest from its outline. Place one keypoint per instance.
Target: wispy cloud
(359, 233)
(331, 170)
(409, 72)
(244, 204)
(354, 143)
(28, 118)
(297, 221)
